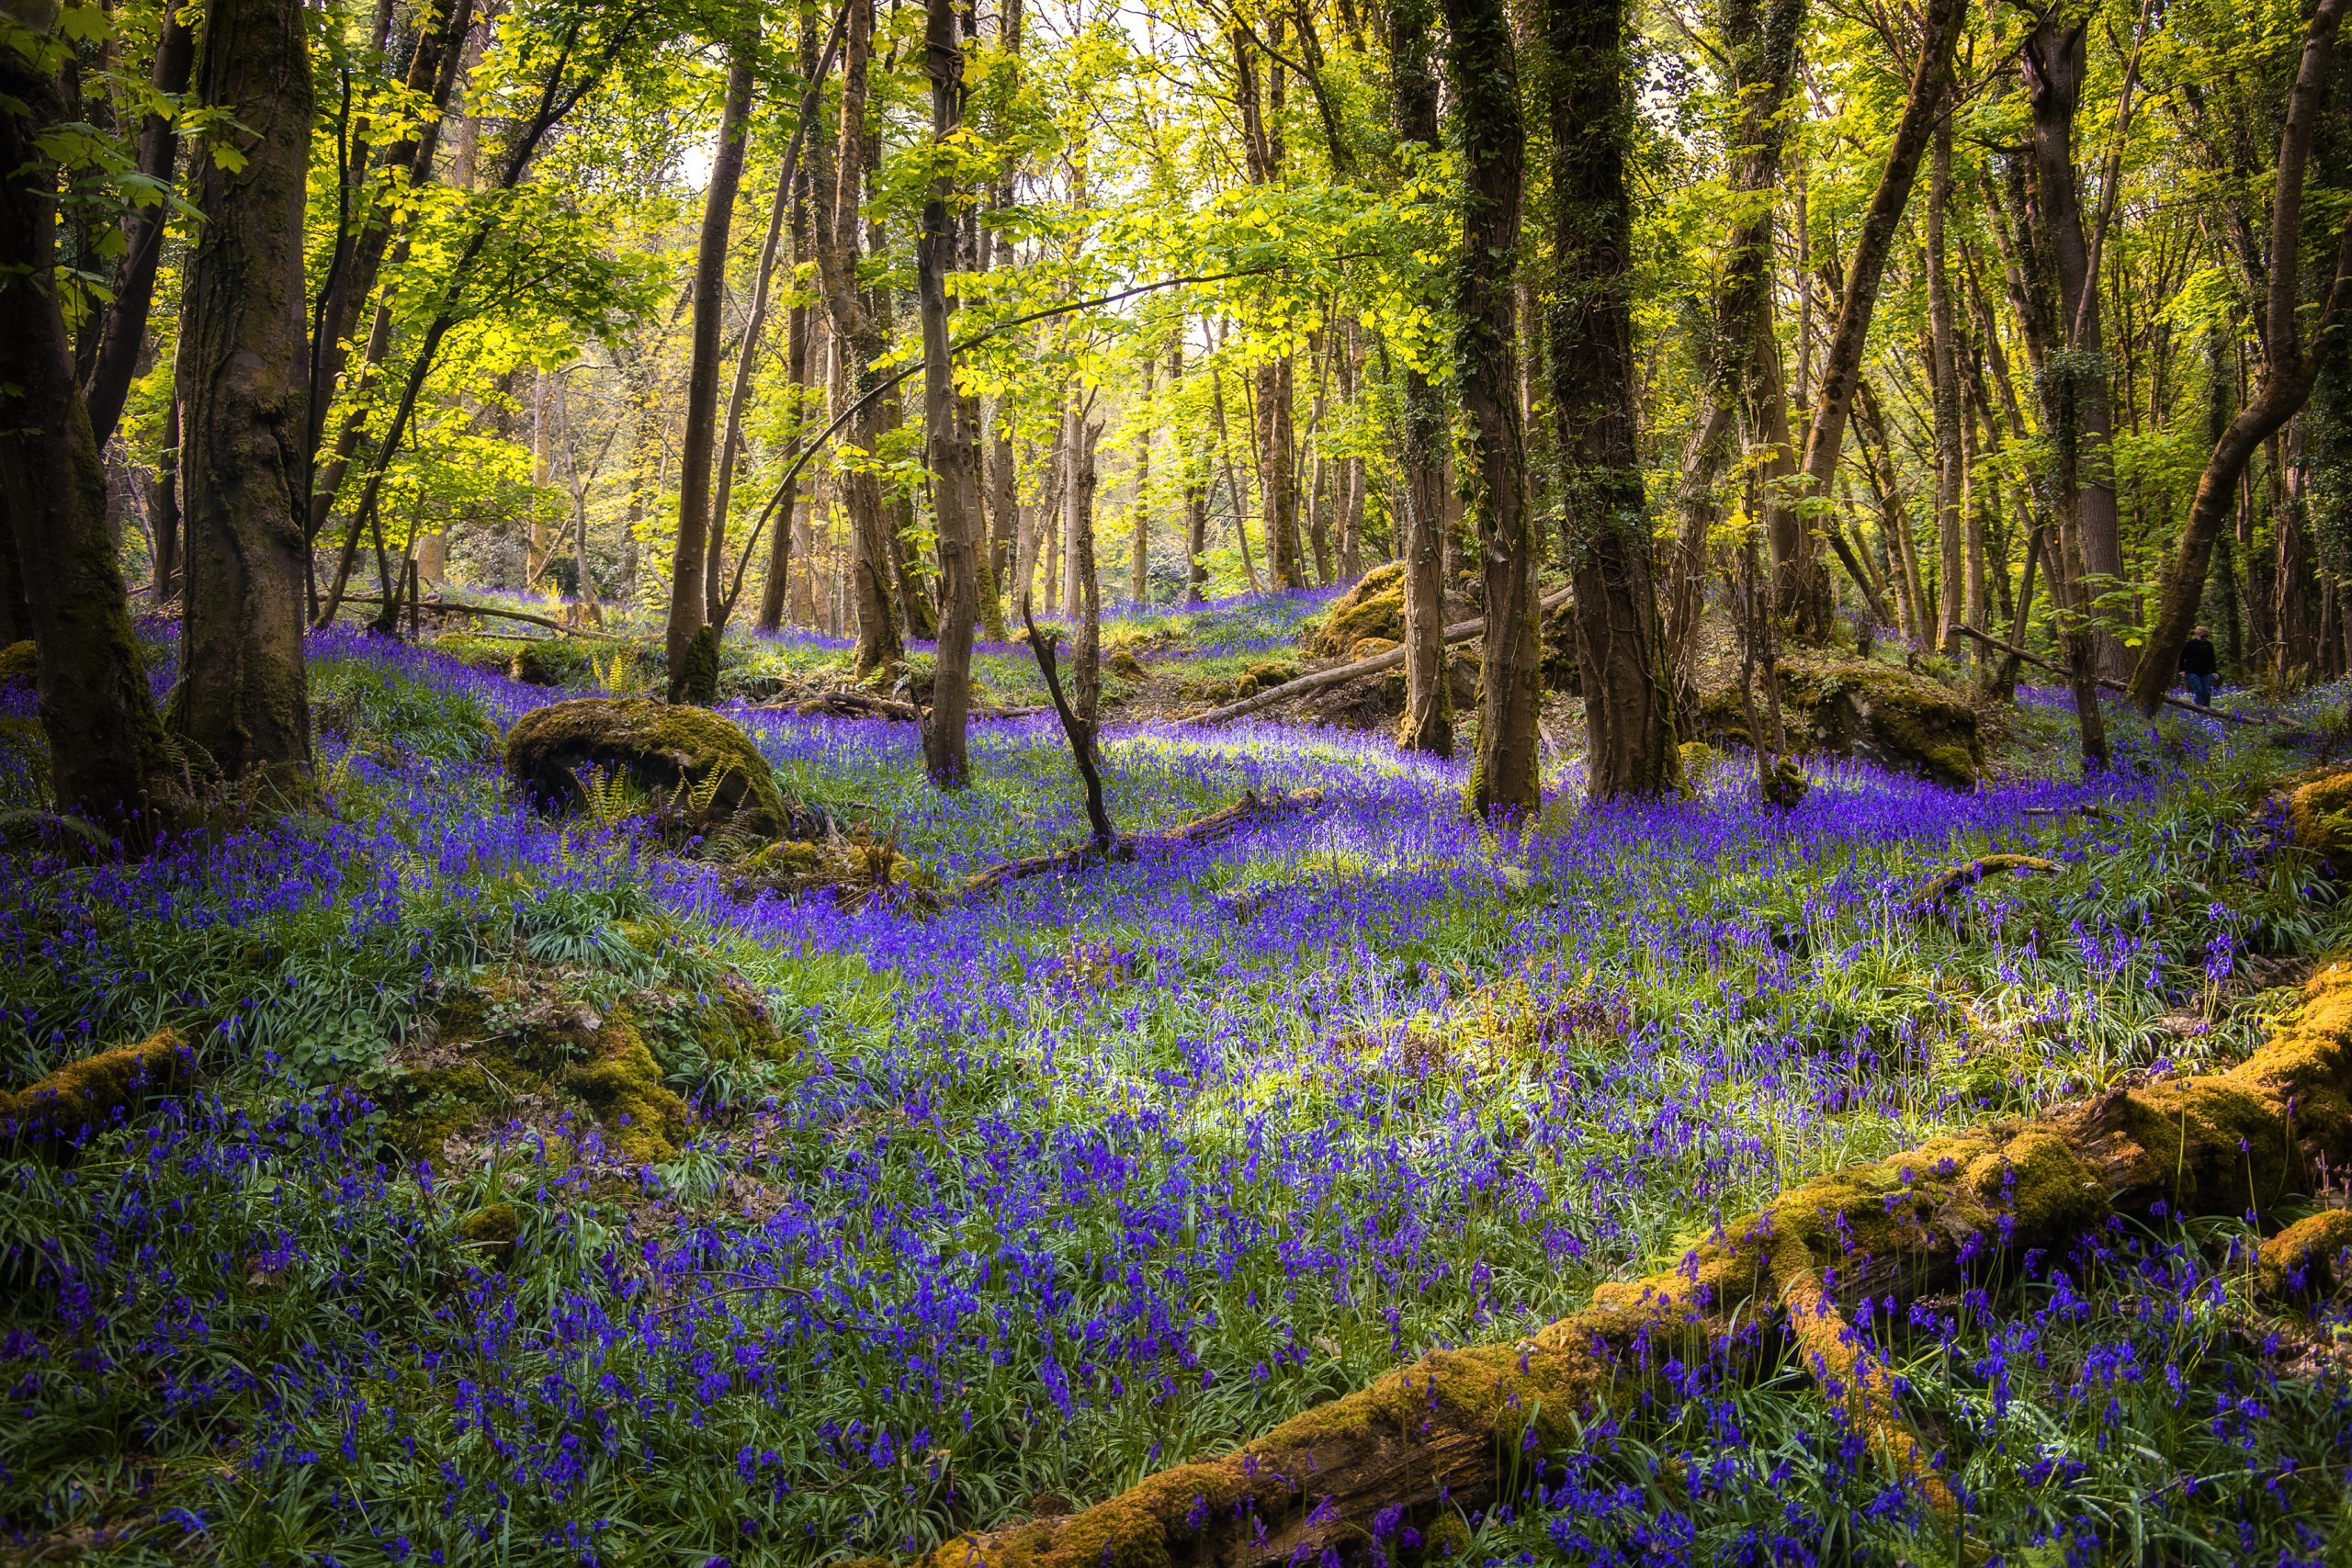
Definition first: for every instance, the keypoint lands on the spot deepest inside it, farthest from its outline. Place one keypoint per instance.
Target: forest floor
(538, 1197)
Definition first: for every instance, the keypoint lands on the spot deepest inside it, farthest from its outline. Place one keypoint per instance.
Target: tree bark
(2287, 377)
(955, 490)
(242, 704)
(1951, 466)
(689, 591)
(1084, 595)
(1483, 64)
(1620, 653)
(1427, 722)
(778, 584)
(1139, 565)
(1940, 27)
(107, 751)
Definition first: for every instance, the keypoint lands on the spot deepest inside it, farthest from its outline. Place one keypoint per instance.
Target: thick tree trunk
(953, 459)
(1484, 68)
(1621, 651)
(1941, 25)
(2053, 65)
(242, 704)
(1277, 474)
(65, 588)
(1427, 722)
(689, 588)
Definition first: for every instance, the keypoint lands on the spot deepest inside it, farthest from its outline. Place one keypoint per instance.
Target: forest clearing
(961, 784)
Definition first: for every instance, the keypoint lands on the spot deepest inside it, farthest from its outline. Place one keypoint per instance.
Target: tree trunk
(778, 585)
(1140, 565)
(1085, 594)
(1004, 525)
(1620, 654)
(1951, 465)
(1484, 68)
(1427, 722)
(2286, 378)
(107, 752)
(243, 703)
(163, 507)
(689, 591)
(1940, 27)
(952, 457)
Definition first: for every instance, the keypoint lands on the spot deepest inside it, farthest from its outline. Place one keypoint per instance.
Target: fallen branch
(1945, 884)
(445, 607)
(1251, 808)
(2040, 663)
(1461, 631)
(1443, 1435)
(865, 705)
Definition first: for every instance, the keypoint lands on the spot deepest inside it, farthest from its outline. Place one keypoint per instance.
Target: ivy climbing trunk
(1621, 651)
(107, 752)
(243, 703)
(1484, 68)
(691, 641)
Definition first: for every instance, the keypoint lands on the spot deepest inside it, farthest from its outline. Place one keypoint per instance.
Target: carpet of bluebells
(1062, 1185)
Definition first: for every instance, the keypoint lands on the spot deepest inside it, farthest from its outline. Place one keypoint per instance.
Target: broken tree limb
(1251, 808)
(444, 607)
(865, 705)
(1461, 631)
(2014, 651)
(1444, 1435)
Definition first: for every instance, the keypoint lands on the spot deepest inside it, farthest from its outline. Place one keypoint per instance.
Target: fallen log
(447, 607)
(81, 1096)
(1461, 631)
(1251, 808)
(2040, 663)
(1944, 884)
(1407, 1454)
(865, 705)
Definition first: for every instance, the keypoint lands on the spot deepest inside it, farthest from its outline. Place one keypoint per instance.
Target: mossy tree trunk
(1484, 68)
(1428, 723)
(953, 457)
(1620, 649)
(66, 590)
(243, 703)
(689, 561)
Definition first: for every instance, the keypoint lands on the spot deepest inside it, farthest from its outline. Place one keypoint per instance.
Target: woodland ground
(1005, 1205)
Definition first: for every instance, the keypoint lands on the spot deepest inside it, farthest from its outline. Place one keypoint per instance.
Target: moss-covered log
(687, 758)
(1220, 823)
(82, 1096)
(1406, 1453)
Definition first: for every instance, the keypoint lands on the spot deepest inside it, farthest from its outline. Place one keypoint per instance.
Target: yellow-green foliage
(19, 664)
(2314, 1247)
(84, 1094)
(2318, 813)
(667, 751)
(1373, 607)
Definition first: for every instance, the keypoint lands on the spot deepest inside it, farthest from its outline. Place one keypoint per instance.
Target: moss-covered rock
(2308, 1258)
(1373, 607)
(1850, 707)
(2319, 814)
(552, 661)
(84, 1095)
(19, 664)
(689, 763)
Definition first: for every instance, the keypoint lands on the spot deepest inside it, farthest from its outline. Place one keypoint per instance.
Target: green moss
(85, 1094)
(2319, 814)
(2308, 1257)
(19, 664)
(493, 1232)
(622, 1083)
(698, 672)
(1373, 607)
(552, 661)
(1855, 708)
(689, 759)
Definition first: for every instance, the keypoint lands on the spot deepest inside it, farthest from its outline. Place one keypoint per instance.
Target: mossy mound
(1373, 607)
(552, 661)
(854, 868)
(544, 1048)
(2319, 814)
(2308, 1258)
(1850, 707)
(688, 765)
(475, 652)
(19, 664)
(1262, 676)
(82, 1096)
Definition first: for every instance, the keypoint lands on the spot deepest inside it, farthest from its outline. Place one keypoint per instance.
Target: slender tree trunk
(1621, 651)
(774, 592)
(243, 703)
(107, 753)
(1004, 523)
(1428, 721)
(1951, 465)
(1941, 25)
(2287, 377)
(1141, 563)
(164, 506)
(690, 672)
(952, 457)
(1483, 69)
(1085, 588)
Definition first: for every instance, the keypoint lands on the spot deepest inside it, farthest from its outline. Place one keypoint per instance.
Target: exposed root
(80, 1096)
(1251, 808)
(1420, 1443)
(1943, 885)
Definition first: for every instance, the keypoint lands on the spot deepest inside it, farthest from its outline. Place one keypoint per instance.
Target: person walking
(2198, 666)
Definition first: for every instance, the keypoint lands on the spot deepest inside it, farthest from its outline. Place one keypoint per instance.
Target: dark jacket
(2196, 657)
